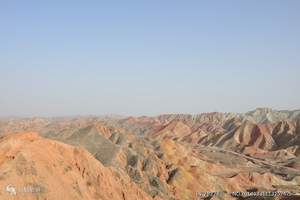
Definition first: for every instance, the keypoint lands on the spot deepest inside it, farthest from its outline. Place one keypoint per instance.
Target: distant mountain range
(172, 156)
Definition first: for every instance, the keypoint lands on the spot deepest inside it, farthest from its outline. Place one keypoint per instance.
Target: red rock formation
(39, 168)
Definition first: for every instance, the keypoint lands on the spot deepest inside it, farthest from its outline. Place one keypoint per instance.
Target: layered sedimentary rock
(32, 167)
(178, 156)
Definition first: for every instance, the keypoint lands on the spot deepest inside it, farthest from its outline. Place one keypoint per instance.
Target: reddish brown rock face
(36, 168)
(164, 157)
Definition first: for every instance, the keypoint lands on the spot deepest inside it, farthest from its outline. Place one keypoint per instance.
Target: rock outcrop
(35, 168)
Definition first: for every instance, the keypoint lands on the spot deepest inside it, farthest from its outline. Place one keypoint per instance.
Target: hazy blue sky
(148, 57)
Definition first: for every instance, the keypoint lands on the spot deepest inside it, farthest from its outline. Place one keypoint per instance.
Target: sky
(63, 58)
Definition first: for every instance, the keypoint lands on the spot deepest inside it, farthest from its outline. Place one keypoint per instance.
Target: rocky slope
(35, 168)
